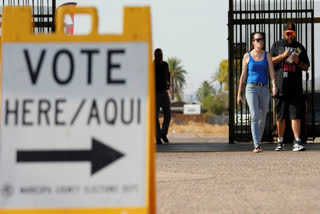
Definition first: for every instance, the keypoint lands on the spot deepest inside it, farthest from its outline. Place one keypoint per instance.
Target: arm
(300, 63)
(271, 71)
(169, 79)
(277, 59)
(243, 77)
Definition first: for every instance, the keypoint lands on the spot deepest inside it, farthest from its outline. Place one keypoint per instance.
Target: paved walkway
(212, 177)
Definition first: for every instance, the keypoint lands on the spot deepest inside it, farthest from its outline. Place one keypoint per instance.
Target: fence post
(230, 73)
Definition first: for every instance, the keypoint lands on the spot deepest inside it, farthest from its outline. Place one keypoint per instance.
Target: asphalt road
(236, 181)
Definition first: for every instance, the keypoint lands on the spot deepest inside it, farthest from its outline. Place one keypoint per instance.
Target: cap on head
(289, 27)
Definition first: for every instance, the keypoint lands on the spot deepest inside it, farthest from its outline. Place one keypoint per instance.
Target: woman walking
(255, 64)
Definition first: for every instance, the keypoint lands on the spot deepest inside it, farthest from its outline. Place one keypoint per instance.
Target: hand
(239, 99)
(285, 54)
(274, 91)
(168, 86)
(295, 59)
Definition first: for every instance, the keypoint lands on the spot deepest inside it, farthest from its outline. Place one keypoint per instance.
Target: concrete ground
(232, 179)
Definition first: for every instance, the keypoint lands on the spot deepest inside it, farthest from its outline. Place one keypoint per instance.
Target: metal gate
(43, 13)
(247, 16)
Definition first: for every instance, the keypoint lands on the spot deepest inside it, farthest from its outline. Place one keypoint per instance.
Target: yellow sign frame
(136, 27)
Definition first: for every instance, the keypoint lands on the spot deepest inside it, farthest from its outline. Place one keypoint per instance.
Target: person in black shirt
(289, 59)
(162, 97)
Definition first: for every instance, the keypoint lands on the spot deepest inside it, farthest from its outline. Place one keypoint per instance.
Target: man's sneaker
(280, 145)
(297, 146)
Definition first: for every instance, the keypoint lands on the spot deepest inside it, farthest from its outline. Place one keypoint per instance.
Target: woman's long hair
(252, 38)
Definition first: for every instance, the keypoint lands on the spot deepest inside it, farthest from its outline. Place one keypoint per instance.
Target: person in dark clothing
(289, 58)
(162, 97)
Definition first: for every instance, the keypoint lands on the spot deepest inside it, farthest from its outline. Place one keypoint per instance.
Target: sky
(193, 31)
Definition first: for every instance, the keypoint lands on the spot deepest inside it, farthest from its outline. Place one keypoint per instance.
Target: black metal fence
(43, 13)
(247, 16)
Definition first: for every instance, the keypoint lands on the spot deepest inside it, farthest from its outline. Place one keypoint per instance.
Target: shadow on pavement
(224, 147)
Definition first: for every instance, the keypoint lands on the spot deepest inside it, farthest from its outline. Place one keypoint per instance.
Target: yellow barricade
(77, 117)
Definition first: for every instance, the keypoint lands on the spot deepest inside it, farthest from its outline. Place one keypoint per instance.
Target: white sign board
(191, 109)
(73, 125)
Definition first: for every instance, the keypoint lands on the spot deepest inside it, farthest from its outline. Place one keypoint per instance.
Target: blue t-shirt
(257, 70)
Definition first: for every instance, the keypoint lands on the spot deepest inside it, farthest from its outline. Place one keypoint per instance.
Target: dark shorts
(288, 107)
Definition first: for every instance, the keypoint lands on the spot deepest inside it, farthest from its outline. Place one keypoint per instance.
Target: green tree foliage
(222, 74)
(205, 90)
(211, 102)
(217, 104)
(177, 74)
(207, 103)
(220, 104)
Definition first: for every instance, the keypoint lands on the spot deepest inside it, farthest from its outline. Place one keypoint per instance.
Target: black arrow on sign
(100, 156)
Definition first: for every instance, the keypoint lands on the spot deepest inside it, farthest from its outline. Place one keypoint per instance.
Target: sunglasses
(259, 40)
(292, 34)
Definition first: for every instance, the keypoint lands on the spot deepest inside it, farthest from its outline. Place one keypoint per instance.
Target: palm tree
(177, 77)
(205, 90)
